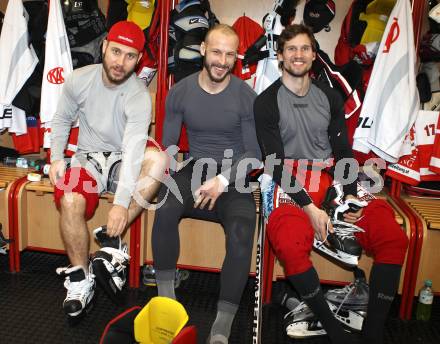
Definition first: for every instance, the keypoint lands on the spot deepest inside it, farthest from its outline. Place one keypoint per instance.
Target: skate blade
(76, 319)
(150, 284)
(299, 331)
(352, 320)
(340, 256)
(105, 281)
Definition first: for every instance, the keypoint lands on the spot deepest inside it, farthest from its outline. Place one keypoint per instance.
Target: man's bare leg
(74, 229)
(152, 173)
(79, 282)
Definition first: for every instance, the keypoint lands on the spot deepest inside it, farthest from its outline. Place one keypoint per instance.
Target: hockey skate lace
(298, 309)
(119, 256)
(344, 229)
(75, 290)
(348, 290)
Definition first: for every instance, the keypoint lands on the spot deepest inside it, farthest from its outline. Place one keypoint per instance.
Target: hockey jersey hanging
(267, 68)
(248, 32)
(29, 97)
(57, 66)
(420, 165)
(391, 102)
(18, 61)
(147, 66)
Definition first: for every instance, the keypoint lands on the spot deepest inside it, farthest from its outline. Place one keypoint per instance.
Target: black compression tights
(234, 210)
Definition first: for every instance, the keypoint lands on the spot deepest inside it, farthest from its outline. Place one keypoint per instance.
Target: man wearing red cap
(113, 108)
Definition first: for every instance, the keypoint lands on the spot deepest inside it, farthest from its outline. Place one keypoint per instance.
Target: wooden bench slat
(434, 225)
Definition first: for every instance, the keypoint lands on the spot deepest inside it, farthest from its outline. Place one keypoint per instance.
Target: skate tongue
(76, 274)
(106, 241)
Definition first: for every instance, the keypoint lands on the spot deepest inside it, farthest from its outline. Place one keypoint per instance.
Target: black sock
(384, 281)
(307, 285)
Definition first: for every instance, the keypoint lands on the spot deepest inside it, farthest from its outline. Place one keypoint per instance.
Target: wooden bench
(428, 210)
(8, 176)
(39, 224)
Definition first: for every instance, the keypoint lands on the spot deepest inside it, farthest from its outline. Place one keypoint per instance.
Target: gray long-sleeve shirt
(214, 122)
(111, 119)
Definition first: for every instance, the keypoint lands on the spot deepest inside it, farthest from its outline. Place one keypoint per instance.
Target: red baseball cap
(127, 33)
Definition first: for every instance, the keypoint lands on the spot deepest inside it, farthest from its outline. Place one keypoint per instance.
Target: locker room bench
(8, 178)
(428, 210)
(38, 224)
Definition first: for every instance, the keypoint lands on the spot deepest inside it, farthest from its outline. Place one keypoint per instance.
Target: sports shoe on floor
(80, 290)
(149, 276)
(110, 263)
(300, 322)
(353, 296)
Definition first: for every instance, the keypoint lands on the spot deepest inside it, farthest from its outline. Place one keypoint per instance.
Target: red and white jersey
(57, 64)
(426, 124)
(392, 99)
(434, 163)
(248, 32)
(415, 167)
(407, 169)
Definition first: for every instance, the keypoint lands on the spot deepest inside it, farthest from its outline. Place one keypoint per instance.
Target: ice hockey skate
(342, 244)
(80, 291)
(302, 323)
(110, 263)
(353, 296)
(149, 276)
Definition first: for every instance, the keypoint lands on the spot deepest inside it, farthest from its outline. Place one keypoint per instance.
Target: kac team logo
(55, 76)
(393, 35)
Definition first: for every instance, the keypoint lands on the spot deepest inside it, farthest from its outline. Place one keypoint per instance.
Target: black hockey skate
(110, 263)
(342, 244)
